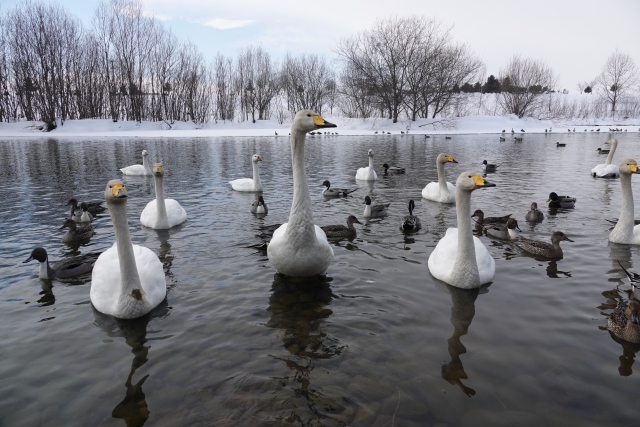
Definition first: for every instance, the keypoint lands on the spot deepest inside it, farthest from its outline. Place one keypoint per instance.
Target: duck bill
(518, 229)
(568, 239)
(549, 199)
(27, 260)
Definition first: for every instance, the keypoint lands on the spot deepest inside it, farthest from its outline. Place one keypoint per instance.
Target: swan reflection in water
(133, 408)
(462, 313)
(299, 307)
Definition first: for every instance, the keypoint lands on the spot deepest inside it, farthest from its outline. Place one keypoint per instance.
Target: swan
(411, 222)
(259, 206)
(606, 169)
(626, 231)
(441, 191)
(368, 173)
(334, 231)
(460, 259)
(127, 280)
(249, 184)
(375, 211)
(68, 267)
(534, 214)
(299, 248)
(506, 231)
(544, 249)
(142, 169)
(162, 213)
(75, 233)
(624, 322)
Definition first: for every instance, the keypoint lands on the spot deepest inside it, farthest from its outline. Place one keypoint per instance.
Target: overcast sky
(574, 37)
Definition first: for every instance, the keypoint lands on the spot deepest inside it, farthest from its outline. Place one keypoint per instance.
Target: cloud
(227, 24)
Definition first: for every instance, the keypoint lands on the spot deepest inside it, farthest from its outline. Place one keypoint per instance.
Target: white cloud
(227, 24)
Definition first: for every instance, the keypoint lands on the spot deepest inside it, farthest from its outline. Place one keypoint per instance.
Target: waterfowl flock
(127, 280)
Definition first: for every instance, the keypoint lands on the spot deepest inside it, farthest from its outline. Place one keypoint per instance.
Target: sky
(573, 37)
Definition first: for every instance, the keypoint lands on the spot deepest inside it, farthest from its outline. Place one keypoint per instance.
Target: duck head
(478, 213)
(484, 162)
(307, 120)
(73, 202)
(325, 183)
(559, 236)
(385, 166)
(412, 206)
(513, 224)
(84, 206)
(367, 200)
(69, 223)
(552, 196)
(256, 158)
(534, 206)
(353, 220)
(629, 166)
(115, 192)
(39, 254)
(260, 201)
(633, 311)
(470, 181)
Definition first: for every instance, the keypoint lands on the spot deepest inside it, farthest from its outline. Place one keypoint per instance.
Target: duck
(534, 214)
(76, 215)
(544, 249)
(335, 192)
(506, 231)
(140, 170)
(252, 185)
(601, 151)
(624, 322)
(634, 278)
(441, 191)
(489, 167)
(502, 139)
(259, 206)
(367, 173)
(565, 202)
(392, 169)
(299, 248)
(625, 231)
(410, 222)
(375, 211)
(75, 233)
(490, 220)
(335, 231)
(94, 207)
(522, 130)
(606, 169)
(460, 259)
(65, 268)
(161, 213)
(86, 215)
(558, 144)
(127, 280)
(447, 137)
(517, 139)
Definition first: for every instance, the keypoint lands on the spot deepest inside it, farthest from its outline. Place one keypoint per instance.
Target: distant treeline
(129, 66)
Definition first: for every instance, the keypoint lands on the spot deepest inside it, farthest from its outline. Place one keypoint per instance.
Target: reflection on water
(552, 271)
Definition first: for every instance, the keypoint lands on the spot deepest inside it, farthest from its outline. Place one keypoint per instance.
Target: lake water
(378, 342)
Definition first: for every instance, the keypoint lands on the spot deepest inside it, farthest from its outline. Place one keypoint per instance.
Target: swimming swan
(249, 184)
(127, 280)
(67, 267)
(162, 213)
(368, 173)
(459, 258)
(142, 169)
(626, 231)
(607, 170)
(441, 191)
(299, 248)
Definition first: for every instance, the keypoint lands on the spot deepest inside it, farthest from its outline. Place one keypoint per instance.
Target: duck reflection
(552, 271)
(133, 409)
(462, 313)
(299, 308)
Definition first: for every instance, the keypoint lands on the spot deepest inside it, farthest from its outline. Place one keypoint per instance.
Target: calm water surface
(378, 342)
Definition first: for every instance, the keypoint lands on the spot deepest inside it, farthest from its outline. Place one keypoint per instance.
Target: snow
(346, 126)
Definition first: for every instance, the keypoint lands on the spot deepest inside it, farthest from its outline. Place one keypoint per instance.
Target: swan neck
(610, 156)
(256, 177)
(145, 165)
(163, 219)
(626, 221)
(466, 254)
(371, 164)
(300, 217)
(442, 181)
(129, 278)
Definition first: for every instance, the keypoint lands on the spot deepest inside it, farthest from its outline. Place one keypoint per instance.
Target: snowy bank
(346, 126)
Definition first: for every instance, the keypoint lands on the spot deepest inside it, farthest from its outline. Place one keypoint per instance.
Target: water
(378, 342)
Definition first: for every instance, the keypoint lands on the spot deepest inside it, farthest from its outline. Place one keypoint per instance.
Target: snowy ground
(461, 125)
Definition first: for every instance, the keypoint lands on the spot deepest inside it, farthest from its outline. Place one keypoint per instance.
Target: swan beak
(118, 191)
(27, 260)
(451, 159)
(608, 141)
(634, 318)
(480, 182)
(634, 168)
(321, 123)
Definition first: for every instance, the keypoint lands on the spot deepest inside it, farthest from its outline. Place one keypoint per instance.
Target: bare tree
(523, 82)
(619, 76)
(306, 81)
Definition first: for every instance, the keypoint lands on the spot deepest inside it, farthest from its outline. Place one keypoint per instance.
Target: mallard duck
(565, 202)
(506, 231)
(335, 192)
(490, 220)
(488, 167)
(392, 169)
(601, 151)
(534, 214)
(375, 211)
(259, 206)
(250, 185)
(544, 249)
(75, 233)
(68, 267)
(367, 173)
(606, 169)
(441, 191)
(624, 322)
(161, 213)
(410, 222)
(335, 231)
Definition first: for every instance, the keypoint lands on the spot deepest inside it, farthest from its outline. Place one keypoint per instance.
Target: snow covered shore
(346, 126)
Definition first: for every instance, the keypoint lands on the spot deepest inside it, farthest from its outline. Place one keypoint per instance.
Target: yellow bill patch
(608, 141)
(633, 168)
(449, 159)
(478, 180)
(157, 168)
(318, 121)
(116, 189)
(549, 199)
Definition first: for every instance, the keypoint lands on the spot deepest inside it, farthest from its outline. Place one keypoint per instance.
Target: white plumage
(367, 173)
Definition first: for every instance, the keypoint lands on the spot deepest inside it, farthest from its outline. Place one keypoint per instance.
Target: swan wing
(243, 184)
(175, 212)
(134, 170)
(605, 170)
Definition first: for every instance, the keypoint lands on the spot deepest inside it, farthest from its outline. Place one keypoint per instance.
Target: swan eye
(308, 115)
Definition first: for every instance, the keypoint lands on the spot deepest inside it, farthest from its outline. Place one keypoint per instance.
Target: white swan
(441, 191)
(142, 169)
(162, 213)
(368, 173)
(299, 248)
(607, 170)
(625, 230)
(127, 280)
(249, 184)
(460, 259)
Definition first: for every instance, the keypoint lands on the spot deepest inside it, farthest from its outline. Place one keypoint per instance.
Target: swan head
(144, 153)
(256, 158)
(370, 152)
(158, 170)
(513, 224)
(444, 158)
(352, 220)
(611, 141)
(39, 254)
(115, 192)
(559, 236)
(629, 166)
(307, 120)
(69, 223)
(633, 309)
(469, 181)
